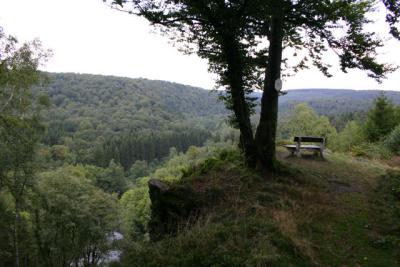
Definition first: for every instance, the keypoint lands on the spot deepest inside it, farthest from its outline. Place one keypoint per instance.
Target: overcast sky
(86, 36)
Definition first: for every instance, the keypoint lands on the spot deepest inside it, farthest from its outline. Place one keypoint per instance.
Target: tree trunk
(266, 130)
(16, 234)
(234, 75)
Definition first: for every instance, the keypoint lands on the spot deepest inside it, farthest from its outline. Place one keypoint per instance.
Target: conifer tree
(381, 119)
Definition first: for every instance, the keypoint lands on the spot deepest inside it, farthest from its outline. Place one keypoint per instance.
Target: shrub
(350, 136)
(371, 151)
(304, 121)
(392, 141)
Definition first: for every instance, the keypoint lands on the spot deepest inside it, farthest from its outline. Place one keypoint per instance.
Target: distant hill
(334, 101)
(110, 94)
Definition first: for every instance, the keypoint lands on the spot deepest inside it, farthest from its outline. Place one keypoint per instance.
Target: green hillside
(339, 212)
(100, 118)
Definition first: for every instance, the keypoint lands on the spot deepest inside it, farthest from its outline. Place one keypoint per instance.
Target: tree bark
(266, 130)
(234, 75)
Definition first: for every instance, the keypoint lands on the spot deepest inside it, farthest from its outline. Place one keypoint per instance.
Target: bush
(392, 141)
(350, 136)
(371, 151)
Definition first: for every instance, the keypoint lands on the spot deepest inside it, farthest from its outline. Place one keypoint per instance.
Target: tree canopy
(19, 124)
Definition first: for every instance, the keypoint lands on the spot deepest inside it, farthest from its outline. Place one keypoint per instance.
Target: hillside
(100, 118)
(334, 101)
(338, 212)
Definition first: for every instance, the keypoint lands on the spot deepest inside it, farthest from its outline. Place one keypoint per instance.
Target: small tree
(303, 120)
(71, 218)
(19, 121)
(381, 119)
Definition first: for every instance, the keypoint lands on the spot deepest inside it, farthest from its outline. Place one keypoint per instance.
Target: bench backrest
(309, 139)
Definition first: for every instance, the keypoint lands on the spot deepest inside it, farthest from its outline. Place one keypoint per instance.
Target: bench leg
(321, 152)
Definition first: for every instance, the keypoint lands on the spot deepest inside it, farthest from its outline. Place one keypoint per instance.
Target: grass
(326, 213)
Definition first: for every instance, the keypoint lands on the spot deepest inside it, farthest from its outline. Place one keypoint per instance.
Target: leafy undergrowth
(334, 212)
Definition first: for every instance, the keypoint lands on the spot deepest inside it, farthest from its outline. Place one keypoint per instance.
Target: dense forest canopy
(101, 118)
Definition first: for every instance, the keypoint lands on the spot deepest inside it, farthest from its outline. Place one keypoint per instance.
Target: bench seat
(303, 147)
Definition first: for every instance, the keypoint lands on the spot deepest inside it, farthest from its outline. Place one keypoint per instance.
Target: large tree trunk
(266, 130)
(241, 109)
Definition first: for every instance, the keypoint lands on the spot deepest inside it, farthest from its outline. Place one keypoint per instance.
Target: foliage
(345, 103)
(71, 218)
(381, 119)
(6, 226)
(112, 179)
(140, 168)
(303, 121)
(392, 141)
(134, 207)
(371, 151)
(19, 132)
(101, 118)
(351, 135)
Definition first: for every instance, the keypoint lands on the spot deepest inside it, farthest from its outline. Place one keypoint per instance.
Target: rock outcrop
(171, 207)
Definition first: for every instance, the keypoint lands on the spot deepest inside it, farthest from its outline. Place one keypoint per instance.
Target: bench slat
(309, 139)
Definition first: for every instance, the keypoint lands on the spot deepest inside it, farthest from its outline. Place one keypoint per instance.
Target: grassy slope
(321, 213)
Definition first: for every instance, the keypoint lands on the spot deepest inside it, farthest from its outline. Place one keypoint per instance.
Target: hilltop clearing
(338, 212)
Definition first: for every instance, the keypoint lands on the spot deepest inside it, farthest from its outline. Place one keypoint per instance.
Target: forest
(94, 119)
(112, 171)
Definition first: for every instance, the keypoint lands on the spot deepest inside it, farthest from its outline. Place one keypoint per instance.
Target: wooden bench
(307, 139)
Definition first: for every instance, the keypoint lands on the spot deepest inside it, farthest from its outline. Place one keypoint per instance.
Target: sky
(87, 36)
